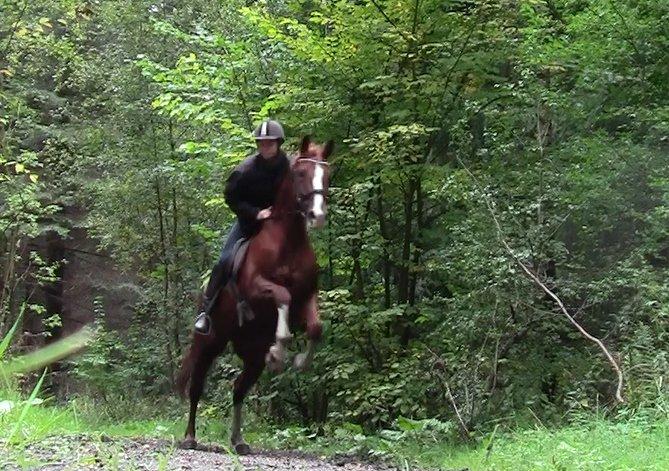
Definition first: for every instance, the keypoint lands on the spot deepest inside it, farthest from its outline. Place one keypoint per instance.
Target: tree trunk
(383, 228)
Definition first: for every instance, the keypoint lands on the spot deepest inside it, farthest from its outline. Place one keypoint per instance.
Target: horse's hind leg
(200, 367)
(314, 329)
(247, 378)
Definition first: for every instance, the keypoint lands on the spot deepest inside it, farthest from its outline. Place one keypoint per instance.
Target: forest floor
(81, 435)
(86, 452)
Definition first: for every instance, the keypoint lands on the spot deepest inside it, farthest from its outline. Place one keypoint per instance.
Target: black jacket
(252, 186)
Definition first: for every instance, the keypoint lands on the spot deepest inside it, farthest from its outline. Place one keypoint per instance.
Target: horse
(278, 279)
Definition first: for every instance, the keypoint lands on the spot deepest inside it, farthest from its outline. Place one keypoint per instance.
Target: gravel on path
(82, 452)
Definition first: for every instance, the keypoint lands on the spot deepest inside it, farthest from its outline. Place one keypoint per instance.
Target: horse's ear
(328, 149)
(304, 146)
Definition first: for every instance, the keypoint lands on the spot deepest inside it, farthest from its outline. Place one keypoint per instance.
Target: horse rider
(250, 192)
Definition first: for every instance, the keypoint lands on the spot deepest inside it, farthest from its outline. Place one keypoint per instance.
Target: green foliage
(133, 113)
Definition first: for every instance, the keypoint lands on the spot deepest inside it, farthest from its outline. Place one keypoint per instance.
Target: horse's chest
(291, 272)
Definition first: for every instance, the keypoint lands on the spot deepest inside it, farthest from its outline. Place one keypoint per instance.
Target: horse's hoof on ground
(242, 449)
(188, 444)
(300, 362)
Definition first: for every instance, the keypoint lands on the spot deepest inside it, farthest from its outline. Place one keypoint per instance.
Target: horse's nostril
(311, 214)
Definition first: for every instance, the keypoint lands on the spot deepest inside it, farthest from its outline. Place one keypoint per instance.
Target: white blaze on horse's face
(317, 213)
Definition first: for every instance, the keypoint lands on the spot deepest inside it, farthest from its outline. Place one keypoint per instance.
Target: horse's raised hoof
(275, 359)
(300, 362)
(242, 449)
(188, 444)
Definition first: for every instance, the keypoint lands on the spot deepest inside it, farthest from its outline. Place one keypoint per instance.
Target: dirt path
(88, 453)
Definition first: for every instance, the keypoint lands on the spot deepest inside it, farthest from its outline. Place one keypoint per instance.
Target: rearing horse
(278, 279)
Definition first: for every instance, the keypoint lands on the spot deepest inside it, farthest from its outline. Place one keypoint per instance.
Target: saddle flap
(239, 252)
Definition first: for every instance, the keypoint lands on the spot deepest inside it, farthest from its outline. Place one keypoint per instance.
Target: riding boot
(203, 322)
(216, 281)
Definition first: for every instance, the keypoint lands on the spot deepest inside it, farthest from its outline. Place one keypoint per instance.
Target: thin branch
(72, 249)
(449, 394)
(415, 17)
(629, 37)
(455, 408)
(538, 282)
(554, 12)
(16, 24)
(389, 20)
(490, 102)
(465, 43)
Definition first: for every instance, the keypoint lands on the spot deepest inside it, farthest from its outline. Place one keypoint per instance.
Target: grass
(594, 444)
(598, 446)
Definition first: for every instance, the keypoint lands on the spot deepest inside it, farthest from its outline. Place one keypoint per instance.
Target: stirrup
(203, 324)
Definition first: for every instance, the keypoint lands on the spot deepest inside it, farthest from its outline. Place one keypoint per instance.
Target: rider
(250, 192)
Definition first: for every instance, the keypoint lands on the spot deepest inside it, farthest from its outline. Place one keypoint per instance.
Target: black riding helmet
(269, 129)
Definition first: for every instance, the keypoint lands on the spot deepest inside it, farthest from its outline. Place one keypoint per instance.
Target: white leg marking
(282, 330)
(277, 352)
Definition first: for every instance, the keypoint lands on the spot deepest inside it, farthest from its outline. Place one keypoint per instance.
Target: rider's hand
(264, 214)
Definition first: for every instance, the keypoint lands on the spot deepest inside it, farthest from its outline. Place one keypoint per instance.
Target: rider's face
(268, 148)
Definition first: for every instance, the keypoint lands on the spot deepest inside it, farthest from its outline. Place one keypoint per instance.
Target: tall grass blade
(27, 406)
(49, 354)
(4, 345)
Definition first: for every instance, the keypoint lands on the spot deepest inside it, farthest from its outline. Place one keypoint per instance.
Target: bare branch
(455, 408)
(449, 394)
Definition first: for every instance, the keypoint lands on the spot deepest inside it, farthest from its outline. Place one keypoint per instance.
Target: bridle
(301, 197)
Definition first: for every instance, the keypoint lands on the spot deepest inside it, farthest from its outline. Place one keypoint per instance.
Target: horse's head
(311, 173)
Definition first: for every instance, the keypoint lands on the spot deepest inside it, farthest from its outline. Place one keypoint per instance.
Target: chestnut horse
(278, 280)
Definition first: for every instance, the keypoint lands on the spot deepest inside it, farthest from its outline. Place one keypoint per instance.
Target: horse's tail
(185, 373)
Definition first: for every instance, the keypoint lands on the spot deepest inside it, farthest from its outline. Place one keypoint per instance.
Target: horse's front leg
(314, 329)
(276, 356)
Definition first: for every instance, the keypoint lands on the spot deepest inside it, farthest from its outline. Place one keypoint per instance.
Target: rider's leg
(217, 279)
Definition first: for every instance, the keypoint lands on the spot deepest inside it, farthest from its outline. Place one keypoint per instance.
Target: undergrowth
(628, 441)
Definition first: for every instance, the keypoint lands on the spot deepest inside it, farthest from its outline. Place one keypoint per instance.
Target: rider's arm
(233, 197)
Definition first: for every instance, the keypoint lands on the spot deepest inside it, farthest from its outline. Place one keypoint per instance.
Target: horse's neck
(285, 213)
(286, 201)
